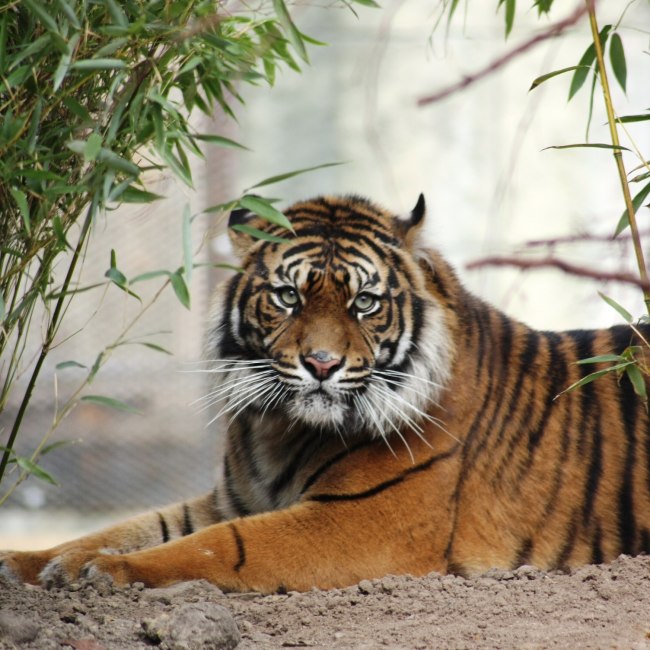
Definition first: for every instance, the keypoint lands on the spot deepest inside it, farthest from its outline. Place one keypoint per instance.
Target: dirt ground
(605, 606)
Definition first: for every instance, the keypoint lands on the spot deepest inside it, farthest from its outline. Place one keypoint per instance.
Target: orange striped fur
(381, 419)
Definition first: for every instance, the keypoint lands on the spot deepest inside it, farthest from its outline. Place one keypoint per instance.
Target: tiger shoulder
(379, 418)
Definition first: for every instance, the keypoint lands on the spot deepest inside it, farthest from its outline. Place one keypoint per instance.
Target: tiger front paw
(23, 566)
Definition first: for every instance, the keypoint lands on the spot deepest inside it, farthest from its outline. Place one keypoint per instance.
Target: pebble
(15, 628)
(193, 626)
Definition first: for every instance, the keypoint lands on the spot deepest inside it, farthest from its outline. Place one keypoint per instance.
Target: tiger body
(381, 419)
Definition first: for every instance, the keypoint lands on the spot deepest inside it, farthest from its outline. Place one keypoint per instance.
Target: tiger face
(334, 326)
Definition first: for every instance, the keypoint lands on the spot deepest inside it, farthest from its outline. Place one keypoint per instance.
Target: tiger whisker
(399, 373)
(248, 396)
(231, 384)
(260, 395)
(397, 431)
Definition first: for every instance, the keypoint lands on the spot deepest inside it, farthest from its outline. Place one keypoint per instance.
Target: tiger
(381, 419)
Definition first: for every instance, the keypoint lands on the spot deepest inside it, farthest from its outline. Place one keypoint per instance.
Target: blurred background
(478, 158)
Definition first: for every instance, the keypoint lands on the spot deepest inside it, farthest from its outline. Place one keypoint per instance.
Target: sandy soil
(604, 606)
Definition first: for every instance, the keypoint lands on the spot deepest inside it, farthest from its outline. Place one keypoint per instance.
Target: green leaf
(510, 14)
(55, 445)
(21, 199)
(586, 62)
(180, 288)
(3, 309)
(617, 58)
(134, 195)
(118, 16)
(149, 276)
(368, 3)
(588, 146)
(46, 19)
(93, 147)
(595, 375)
(99, 64)
(550, 75)
(116, 276)
(638, 381)
(110, 402)
(624, 221)
(69, 13)
(187, 244)
(256, 233)
(69, 364)
(154, 346)
(294, 36)
(603, 358)
(627, 317)
(282, 177)
(262, 207)
(642, 117)
(220, 141)
(34, 470)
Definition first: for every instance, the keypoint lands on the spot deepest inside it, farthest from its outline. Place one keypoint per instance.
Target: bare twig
(581, 238)
(554, 30)
(567, 267)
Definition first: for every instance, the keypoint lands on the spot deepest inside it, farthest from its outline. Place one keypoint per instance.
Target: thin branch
(567, 267)
(554, 30)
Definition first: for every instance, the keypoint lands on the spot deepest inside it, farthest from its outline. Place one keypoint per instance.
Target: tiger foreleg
(60, 564)
(308, 545)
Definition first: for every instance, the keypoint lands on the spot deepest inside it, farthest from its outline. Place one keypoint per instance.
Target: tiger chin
(381, 419)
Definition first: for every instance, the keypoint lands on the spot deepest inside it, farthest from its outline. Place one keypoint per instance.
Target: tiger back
(381, 419)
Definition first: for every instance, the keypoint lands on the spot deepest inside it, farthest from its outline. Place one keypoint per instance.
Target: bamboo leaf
(134, 195)
(294, 36)
(586, 61)
(642, 117)
(593, 376)
(220, 141)
(262, 207)
(110, 402)
(34, 470)
(617, 59)
(180, 288)
(281, 177)
(93, 147)
(187, 244)
(69, 364)
(550, 75)
(588, 145)
(638, 381)
(256, 233)
(603, 358)
(99, 64)
(627, 317)
(21, 200)
(624, 220)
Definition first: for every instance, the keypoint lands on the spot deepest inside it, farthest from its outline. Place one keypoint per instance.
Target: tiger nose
(321, 364)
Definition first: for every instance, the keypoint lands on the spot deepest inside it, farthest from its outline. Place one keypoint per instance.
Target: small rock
(193, 626)
(15, 628)
(365, 587)
(196, 590)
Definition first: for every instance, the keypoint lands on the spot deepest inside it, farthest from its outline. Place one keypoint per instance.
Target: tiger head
(331, 325)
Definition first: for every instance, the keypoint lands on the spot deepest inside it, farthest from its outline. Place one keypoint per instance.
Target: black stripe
(569, 542)
(628, 404)
(241, 550)
(594, 472)
(188, 526)
(557, 377)
(524, 553)
(236, 502)
(589, 405)
(384, 485)
(284, 478)
(164, 529)
(597, 556)
(333, 461)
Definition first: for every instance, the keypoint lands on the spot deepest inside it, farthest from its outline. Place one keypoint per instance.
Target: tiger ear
(408, 226)
(242, 241)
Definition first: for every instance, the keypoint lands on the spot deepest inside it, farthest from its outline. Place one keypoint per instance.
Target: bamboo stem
(618, 155)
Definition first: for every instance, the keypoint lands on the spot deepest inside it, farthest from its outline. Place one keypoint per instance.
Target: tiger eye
(288, 296)
(364, 302)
